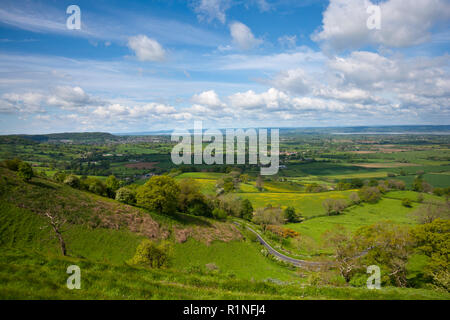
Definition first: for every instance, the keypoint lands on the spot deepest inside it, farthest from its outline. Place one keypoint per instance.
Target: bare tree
(431, 211)
(56, 223)
(334, 206)
(260, 183)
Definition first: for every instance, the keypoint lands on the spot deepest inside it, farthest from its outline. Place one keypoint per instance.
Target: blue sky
(152, 65)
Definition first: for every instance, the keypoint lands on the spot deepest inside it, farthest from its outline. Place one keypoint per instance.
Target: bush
(420, 198)
(396, 184)
(334, 206)
(12, 164)
(356, 183)
(151, 255)
(282, 232)
(354, 198)
(25, 171)
(191, 200)
(126, 195)
(407, 203)
(341, 186)
(94, 185)
(219, 214)
(291, 215)
(438, 192)
(246, 210)
(72, 181)
(370, 194)
(59, 176)
(315, 188)
(269, 215)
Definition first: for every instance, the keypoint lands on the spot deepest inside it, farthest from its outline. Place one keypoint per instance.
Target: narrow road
(295, 262)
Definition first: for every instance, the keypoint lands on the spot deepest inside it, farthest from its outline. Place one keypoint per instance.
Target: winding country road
(295, 262)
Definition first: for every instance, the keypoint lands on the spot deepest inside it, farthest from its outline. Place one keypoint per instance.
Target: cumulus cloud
(293, 80)
(403, 23)
(208, 98)
(29, 102)
(371, 71)
(146, 49)
(271, 99)
(145, 111)
(64, 97)
(71, 97)
(243, 36)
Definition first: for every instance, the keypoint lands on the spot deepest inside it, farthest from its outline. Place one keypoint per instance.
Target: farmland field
(208, 252)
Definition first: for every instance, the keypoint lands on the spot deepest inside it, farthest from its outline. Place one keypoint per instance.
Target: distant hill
(406, 129)
(76, 137)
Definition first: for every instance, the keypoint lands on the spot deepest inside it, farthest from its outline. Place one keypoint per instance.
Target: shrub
(126, 195)
(420, 197)
(391, 174)
(151, 255)
(95, 186)
(291, 215)
(370, 194)
(334, 206)
(72, 181)
(354, 198)
(12, 164)
(59, 176)
(356, 183)
(282, 232)
(396, 184)
(341, 186)
(439, 191)
(407, 203)
(219, 214)
(191, 199)
(235, 206)
(267, 216)
(25, 171)
(212, 267)
(315, 188)
(246, 210)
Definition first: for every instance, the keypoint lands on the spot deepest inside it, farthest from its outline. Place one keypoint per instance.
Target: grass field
(357, 216)
(25, 275)
(242, 259)
(308, 204)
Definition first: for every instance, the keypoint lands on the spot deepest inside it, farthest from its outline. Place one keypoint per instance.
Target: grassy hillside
(211, 260)
(36, 276)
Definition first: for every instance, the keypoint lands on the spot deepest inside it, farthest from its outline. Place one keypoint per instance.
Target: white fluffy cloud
(403, 23)
(272, 99)
(243, 36)
(208, 98)
(29, 102)
(64, 97)
(146, 49)
(295, 80)
(71, 97)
